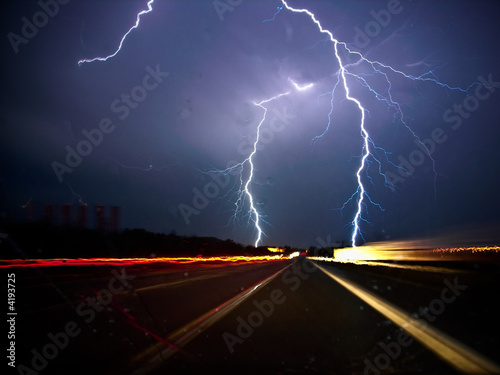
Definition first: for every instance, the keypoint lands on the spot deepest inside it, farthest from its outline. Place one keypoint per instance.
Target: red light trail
(21, 263)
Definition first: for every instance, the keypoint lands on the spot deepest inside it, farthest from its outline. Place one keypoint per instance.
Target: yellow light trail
(17, 263)
(474, 249)
(455, 353)
(276, 250)
(413, 267)
(413, 250)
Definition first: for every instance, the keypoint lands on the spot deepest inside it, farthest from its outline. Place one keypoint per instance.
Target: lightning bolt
(138, 20)
(300, 88)
(369, 151)
(244, 192)
(370, 154)
(249, 160)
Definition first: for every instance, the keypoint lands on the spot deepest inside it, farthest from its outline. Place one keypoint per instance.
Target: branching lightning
(244, 192)
(346, 79)
(138, 20)
(342, 79)
(370, 151)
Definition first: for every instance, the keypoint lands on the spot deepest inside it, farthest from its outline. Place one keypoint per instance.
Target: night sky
(178, 101)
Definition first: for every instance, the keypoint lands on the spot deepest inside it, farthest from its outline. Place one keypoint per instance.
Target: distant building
(70, 216)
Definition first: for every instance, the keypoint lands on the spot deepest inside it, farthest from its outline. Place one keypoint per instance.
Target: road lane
(114, 322)
(188, 332)
(470, 316)
(458, 355)
(302, 320)
(322, 327)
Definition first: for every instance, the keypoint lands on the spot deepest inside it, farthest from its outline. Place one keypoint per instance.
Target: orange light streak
(276, 250)
(17, 263)
(484, 249)
(413, 250)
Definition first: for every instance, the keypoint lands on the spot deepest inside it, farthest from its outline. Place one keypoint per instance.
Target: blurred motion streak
(458, 355)
(484, 249)
(276, 250)
(413, 267)
(412, 250)
(19, 263)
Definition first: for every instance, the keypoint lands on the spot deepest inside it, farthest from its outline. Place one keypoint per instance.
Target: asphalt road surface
(282, 317)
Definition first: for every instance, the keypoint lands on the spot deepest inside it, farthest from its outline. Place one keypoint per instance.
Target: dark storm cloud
(202, 115)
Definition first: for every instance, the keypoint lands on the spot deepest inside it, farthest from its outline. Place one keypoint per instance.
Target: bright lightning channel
(138, 20)
(369, 149)
(246, 189)
(364, 133)
(300, 88)
(244, 192)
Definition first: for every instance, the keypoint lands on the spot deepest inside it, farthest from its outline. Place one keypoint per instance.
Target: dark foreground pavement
(278, 317)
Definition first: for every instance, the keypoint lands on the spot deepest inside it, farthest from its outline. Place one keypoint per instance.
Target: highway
(278, 317)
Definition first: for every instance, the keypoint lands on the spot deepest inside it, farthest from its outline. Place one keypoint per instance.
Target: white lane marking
(452, 351)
